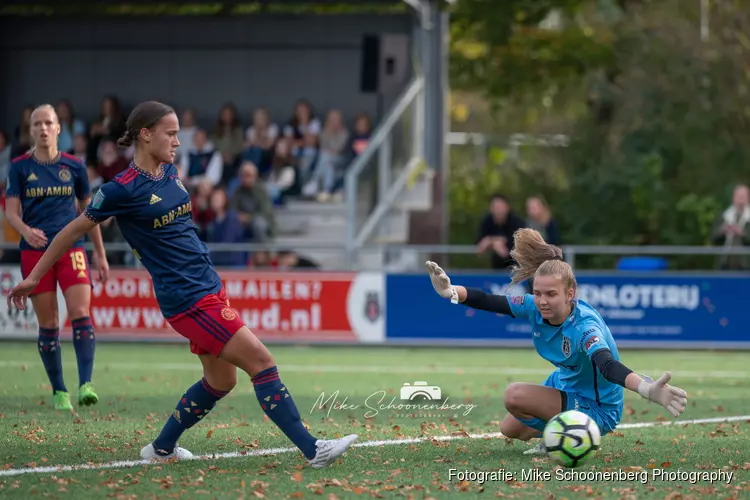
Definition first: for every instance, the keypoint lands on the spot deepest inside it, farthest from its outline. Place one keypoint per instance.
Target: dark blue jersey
(155, 216)
(48, 192)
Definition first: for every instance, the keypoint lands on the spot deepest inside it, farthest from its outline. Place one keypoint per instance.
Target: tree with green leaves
(658, 117)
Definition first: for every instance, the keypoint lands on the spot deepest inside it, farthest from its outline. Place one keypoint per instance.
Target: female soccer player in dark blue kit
(46, 190)
(568, 333)
(153, 212)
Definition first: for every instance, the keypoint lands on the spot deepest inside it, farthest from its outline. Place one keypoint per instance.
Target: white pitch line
(440, 370)
(123, 464)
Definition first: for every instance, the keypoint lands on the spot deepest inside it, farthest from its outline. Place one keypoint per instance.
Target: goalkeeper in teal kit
(568, 333)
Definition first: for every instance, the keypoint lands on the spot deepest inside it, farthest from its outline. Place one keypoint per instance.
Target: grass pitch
(438, 452)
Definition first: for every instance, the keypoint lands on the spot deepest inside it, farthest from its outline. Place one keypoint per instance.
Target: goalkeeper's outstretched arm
(470, 297)
(673, 399)
(477, 299)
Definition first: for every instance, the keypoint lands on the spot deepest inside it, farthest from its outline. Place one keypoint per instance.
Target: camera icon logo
(420, 390)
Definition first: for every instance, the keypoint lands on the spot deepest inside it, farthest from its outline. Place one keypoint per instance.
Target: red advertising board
(342, 307)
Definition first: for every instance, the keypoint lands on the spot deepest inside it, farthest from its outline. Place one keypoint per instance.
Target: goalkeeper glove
(673, 399)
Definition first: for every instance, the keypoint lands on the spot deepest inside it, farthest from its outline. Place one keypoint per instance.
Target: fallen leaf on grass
(315, 488)
(297, 477)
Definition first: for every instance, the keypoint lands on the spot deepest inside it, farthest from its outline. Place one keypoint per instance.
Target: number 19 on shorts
(78, 259)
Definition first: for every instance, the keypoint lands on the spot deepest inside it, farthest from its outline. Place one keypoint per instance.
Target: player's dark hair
(535, 257)
(145, 115)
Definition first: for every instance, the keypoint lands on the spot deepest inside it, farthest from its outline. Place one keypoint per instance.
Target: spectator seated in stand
(80, 148)
(5, 158)
(186, 135)
(283, 180)
(201, 162)
(288, 260)
(228, 139)
(331, 161)
(304, 130)
(362, 134)
(111, 162)
(252, 203)
(260, 139)
(202, 212)
(225, 228)
(70, 126)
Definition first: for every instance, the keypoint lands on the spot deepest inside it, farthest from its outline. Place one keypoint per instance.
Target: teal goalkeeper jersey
(570, 347)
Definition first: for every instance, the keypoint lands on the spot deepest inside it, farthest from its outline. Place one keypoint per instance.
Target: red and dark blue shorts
(209, 324)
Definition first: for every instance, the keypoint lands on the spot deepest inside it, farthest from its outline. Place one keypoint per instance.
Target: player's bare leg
(219, 378)
(245, 351)
(48, 343)
(525, 402)
(78, 302)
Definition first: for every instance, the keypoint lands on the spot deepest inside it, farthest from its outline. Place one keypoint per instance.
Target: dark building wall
(265, 61)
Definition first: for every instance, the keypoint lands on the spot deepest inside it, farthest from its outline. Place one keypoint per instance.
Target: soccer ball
(571, 438)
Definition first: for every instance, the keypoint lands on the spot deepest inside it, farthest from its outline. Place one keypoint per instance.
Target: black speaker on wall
(370, 63)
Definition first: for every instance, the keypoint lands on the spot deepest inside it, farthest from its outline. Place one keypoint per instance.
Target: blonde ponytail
(535, 257)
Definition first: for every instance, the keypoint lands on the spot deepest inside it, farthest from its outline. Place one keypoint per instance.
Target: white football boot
(537, 450)
(149, 453)
(330, 449)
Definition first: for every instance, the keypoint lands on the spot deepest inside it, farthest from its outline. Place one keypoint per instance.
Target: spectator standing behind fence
(539, 217)
(496, 232)
(303, 130)
(201, 162)
(70, 126)
(260, 139)
(334, 140)
(732, 229)
(227, 138)
(225, 228)
(253, 205)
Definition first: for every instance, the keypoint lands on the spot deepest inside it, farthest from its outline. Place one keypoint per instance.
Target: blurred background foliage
(657, 116)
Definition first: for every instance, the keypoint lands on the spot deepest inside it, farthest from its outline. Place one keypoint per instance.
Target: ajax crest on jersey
(181, 185)
(64, 175)
(571, 438)
(566, 346)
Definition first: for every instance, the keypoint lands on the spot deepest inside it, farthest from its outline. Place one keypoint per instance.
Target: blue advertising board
(650, 310)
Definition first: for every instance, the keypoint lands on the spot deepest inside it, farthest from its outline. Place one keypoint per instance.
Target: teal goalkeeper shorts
(606, 417)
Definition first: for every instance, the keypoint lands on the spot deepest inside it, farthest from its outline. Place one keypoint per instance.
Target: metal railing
(369, 197)
(422, 252)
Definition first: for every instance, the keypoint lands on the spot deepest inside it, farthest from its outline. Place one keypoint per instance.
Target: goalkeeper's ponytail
(535, 257)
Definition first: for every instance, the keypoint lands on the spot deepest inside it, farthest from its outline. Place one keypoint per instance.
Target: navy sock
(278, 404)
(193, 406)
(49, 350)
(85, 345)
